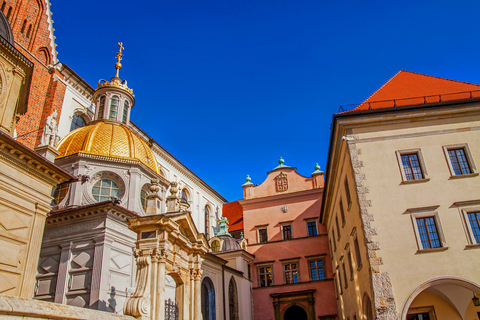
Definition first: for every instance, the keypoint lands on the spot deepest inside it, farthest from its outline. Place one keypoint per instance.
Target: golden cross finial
(120, 54)
(118, 65)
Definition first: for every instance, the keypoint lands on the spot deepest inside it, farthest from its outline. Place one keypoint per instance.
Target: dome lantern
(113, 99)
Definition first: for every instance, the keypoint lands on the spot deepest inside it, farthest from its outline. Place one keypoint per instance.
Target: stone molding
(14, 308)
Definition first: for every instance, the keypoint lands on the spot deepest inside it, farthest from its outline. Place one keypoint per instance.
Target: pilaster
(62, 275)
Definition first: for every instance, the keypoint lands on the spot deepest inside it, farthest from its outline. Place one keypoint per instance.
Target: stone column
(198, 296)
(160, 289)
(62, 274)
(193, 274)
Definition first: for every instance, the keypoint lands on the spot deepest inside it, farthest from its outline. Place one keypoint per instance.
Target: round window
(59, 193)
(105, 190)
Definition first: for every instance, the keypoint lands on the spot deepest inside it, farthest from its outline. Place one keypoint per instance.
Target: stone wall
(21, 308)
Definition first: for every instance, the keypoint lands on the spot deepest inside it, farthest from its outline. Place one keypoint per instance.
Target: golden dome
(108, 139)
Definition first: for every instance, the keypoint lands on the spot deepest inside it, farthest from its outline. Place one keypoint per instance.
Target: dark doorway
(295, 313)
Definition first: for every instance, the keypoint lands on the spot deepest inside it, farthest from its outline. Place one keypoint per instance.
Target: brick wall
(29, 22)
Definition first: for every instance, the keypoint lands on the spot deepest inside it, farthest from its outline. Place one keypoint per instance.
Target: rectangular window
(411, 166)
(290, 272)
(347, 193)
(262, 235)
(340, 285)
(357, 253)
(474, 220)
(334, 242)
(312, 228)
(287, 232)
(428, 232)
(459, 161)
(265, 276)
(350, 264)
(345, 275)
(338, 227)
(317, 269)
(342, 212)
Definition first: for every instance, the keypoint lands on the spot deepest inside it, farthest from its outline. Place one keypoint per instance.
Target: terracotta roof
(409, 88)
(233, 211)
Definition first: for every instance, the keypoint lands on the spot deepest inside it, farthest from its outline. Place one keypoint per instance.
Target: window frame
(466, 207)
(259, 274)
(297, 269)
(348, 194)
(356, 246)
(314, 220)
(423, 213)
(468, 156)
(290, 231)
(315, 260)
(264, 227)
(421, 163)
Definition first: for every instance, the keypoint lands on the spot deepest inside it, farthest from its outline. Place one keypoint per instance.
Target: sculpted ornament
(50, 135)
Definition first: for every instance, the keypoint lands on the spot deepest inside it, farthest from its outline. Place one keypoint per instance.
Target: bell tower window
(113, 108)
(125, 112)
(101, 107)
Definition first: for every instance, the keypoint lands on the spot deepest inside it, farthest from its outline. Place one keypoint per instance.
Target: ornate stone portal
(168, 244)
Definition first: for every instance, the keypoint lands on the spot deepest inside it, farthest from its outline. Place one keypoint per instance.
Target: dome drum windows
(106, 186)
(114, 107)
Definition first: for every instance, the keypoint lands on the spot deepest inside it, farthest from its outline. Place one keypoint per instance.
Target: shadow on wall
(111, 304)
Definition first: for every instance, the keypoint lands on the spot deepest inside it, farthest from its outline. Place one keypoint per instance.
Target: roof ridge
(435, 77)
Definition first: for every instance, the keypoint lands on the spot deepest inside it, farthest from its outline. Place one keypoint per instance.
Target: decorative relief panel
(14, 222)
(12, 252)
(281, 182)
(8, 283)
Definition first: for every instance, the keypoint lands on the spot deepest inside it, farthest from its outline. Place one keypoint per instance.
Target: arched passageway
(367, 308)
(295, 313)
(208, 299)
(448, 298)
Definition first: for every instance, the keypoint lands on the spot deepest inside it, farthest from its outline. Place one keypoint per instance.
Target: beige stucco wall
(391, 198)
(398, 267)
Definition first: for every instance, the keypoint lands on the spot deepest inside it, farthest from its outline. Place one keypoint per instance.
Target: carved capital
(159, 255)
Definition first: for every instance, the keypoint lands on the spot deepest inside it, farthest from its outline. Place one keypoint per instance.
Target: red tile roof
(409, 88)
(233, 211)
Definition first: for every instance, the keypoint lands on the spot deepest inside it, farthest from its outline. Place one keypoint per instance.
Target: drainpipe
(223, 290)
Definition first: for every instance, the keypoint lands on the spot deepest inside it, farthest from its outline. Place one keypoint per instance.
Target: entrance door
(419, 316)
(295, 313)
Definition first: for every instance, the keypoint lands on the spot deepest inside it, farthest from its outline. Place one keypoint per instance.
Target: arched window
(184, 196)
(143, 199)
(9, 13)
(3, 5)
(59, 192)
(125, 112)
(29, 30)
(208, 299)
(23, 26)
(232, 300)
(101, 107)
(77, 122)
(113, 108)
(207, 222)
(105, 190)
(215, 246)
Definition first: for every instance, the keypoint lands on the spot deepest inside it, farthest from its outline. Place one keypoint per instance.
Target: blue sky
(229, 86)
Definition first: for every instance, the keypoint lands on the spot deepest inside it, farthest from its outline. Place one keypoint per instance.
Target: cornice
(296, 196)
(21, 157)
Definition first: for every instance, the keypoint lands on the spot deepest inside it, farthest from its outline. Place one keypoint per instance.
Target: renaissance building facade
(291, 273)
(401, 201)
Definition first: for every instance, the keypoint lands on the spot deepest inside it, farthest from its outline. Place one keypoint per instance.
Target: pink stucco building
(291, 274)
